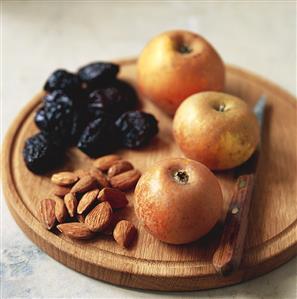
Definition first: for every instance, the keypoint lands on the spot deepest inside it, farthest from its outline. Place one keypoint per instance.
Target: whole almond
(103, 163)
(84, 184)
(81, 172)
(100, 177)
(61, 191)
(75, 230)
(47, 213)
(60, 210)
(119, 167)
(126, 180)
(71, 203)
(124, 233)
(64, 178)
(115, 197)
(87, 201)
(100, 217)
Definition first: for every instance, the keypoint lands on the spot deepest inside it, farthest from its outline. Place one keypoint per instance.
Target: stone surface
(40, 36)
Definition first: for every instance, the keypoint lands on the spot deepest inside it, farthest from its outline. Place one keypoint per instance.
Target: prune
(57, 96)
(79, 101)
(115, 99)
(62, 80)
(60, 118)
(100, 137)
(136, 128)
(40, 154)
(97, 73)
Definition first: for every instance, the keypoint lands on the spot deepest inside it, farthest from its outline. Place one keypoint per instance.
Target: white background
(40, 36)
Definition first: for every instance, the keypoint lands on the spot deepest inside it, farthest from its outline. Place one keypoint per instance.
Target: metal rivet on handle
(235, 211)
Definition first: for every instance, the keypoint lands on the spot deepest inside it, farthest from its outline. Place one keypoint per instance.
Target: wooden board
(150, 264)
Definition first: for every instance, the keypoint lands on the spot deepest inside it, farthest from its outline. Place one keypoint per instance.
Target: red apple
(178, 200)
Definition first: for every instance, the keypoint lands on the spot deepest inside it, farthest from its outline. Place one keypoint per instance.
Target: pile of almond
(83, 202)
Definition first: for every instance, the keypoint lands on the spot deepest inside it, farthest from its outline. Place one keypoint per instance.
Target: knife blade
(228, 255)
(250, 166)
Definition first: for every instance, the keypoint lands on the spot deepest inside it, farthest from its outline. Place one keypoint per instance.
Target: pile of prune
(91, 109)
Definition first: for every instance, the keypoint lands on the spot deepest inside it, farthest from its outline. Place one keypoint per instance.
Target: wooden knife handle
(228, 255)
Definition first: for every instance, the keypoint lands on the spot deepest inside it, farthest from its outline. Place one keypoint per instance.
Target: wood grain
(150, 264)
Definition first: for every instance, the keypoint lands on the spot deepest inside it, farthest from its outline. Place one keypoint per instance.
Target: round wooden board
(150, 264)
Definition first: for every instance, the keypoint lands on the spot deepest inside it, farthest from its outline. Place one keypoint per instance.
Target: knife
(228, 255)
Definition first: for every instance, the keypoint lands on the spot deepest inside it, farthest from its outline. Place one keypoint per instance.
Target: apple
(177, 64)
(178, 200)
(216, 129)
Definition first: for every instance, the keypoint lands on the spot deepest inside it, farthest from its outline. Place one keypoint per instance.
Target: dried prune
(60, 118)
(116, 98)
(100, 137)
(57, 96)
(136, 128)
(40, 154)
(97, 73)
(78, 101)
(62, 80)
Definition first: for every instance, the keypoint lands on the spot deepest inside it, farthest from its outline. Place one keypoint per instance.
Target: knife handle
(227, 257)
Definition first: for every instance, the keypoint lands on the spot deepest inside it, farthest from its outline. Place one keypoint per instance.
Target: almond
(115, 197)
(87, 201)
(75, 230)
(126, 180)
(64, 178)
(71, 203)
(81, 173)
(103, 163)
(61, 191)
(60, 210)
(47, 213)
(124, 233)
(100, 217)
(119, 167)
(84, 184)
(100, 177)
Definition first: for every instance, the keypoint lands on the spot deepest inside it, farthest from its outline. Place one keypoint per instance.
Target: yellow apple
(177, 64)
(216, 129)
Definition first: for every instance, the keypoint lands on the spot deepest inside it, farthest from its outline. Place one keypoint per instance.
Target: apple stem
(181, 176)
(222, 107)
